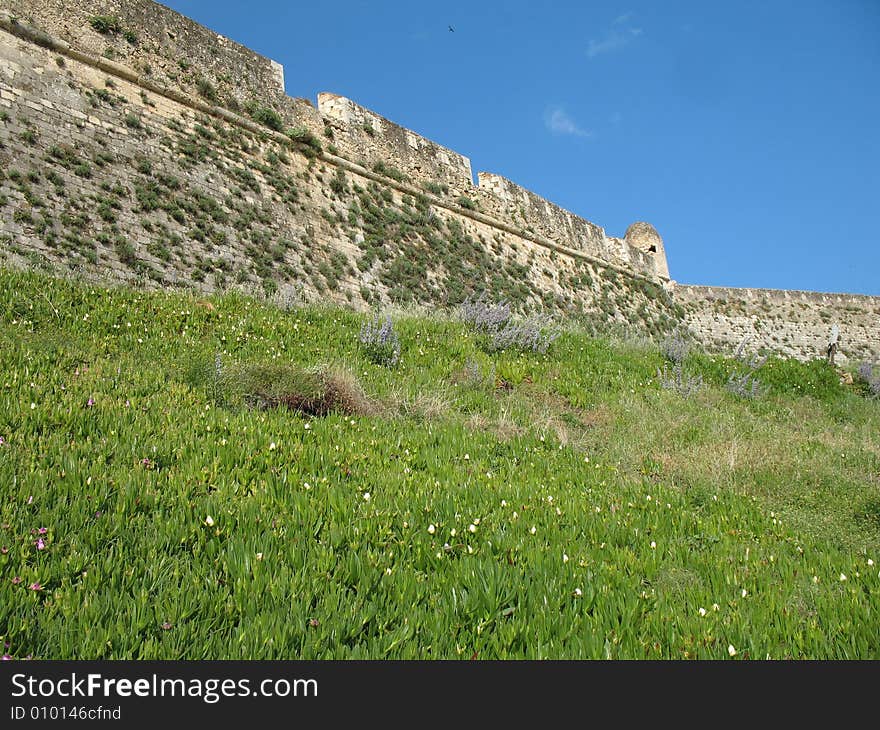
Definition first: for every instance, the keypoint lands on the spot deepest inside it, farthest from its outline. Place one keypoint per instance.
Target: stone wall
(113, 176)
(793, 323)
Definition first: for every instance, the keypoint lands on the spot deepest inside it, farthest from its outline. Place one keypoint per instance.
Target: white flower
(564, 558)
(744, 593)
(503, 502)
(702, 611)
(515, 515)
(870, 562)
(387, 571)
(842, 577)
(467, 457)
(209, 521)
(366, 496)
(470, 550)
(715, 607)
(272, 446)
(653, 545)
(432, 529)
(533, 530)
(259, 556)
(452, 532)
(306, 485)
(307, 426)
(578, 592)
(731, 650)
(472, 528)
(815, 579)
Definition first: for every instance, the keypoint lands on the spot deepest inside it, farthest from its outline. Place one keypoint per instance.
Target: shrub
(866, 374)
(675, 347)
(745, 384)
(379, 341)
(494, 322)
(466, 202)
(105, 24)
(206, 89)
(264, 115)
(483, 316)
(676, 379)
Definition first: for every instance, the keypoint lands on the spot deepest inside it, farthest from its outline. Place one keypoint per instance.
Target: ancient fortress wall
(138, 145)
(794, 323)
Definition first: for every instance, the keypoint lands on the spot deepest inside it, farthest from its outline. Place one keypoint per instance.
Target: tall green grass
(569, 509)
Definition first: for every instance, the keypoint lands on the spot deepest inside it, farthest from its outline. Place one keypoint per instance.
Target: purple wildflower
(42, 530)
(6, 658)
(16, 580)
(91, 402)
(35, 587)
(40, 543)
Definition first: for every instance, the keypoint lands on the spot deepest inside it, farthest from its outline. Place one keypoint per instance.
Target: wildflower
(307, 426)
(731, 650)
(41, 545)
(16, 580)
(35, 587)
(33, 405)
(564, 558)
(533, 530)
(653, 545)
(272, 446)
(5, 658)
(702, 611)
(91, 402)
(815, 579)
(313, 622)
(467, 457)
(578, 592)
(744, 593)
(452, 532)
(431, 529)
(209, 521)
(4, 550)
(515, 515)
(870, 563)
(306, 485)
(503, 502)
(472, 528)
(366, 496)
(2, 441)
(30, 500)
(842, 577)
(165, 626)
(259, 556)
(715, 607)
(42, 530)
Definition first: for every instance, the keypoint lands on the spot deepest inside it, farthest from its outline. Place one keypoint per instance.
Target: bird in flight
(451, 29)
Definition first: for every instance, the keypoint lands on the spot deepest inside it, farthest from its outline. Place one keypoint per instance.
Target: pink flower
(5, 658)
(42, 530)
(41, 545)
(35, 587)
(91, 402)
(4, 550)
(165, 626)
(16, 580)
(2, 441)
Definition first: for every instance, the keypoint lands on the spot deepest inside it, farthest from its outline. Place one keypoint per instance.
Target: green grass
(594, 514)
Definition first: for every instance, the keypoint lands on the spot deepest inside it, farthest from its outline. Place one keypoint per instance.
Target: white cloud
(619, 35)
(557, 121)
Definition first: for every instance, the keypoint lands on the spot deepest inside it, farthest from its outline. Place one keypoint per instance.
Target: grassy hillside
(161, 499)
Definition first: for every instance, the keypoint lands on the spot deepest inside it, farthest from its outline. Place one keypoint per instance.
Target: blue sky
(748, 133)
